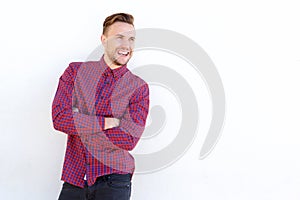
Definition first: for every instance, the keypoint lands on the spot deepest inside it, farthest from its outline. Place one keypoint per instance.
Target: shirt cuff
(101, 122)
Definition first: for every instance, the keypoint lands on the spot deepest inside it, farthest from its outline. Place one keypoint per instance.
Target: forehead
(121, 28)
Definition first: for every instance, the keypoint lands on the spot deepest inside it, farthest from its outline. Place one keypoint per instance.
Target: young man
(102, 107)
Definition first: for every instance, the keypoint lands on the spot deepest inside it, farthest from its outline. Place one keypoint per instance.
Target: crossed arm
(123, 133)
(109, 122)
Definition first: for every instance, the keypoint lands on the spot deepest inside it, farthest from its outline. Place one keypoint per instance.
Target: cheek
(132, 46)
(110, 48)
(113, 44)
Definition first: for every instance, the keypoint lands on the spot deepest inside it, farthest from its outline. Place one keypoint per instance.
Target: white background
(255, 46)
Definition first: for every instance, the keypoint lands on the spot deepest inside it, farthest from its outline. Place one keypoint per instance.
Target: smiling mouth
(123, 53)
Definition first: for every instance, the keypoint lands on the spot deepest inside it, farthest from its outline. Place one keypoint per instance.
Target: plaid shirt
(87, 93)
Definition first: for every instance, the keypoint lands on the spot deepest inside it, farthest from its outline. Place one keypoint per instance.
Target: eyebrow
(120, 35)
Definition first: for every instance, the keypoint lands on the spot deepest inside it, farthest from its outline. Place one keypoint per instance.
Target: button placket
(103, 88)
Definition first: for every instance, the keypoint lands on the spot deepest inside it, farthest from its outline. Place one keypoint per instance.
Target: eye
(132, 39)
(119, 37)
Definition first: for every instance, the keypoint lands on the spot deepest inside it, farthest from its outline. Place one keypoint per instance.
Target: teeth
(125, 53)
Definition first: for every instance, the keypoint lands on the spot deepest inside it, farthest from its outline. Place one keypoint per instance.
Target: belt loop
(105, 178)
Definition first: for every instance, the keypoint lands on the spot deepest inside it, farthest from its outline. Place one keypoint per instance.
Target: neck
(110, 63)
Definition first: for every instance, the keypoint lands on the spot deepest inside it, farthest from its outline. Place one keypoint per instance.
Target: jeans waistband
(114, 176)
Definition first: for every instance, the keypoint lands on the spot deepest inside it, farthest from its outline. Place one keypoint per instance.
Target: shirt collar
(116, 73)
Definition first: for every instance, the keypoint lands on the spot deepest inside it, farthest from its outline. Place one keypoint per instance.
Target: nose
(127, 44)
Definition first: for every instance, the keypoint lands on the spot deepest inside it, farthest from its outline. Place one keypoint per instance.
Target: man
(102, 107)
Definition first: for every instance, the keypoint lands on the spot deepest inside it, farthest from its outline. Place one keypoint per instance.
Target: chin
(122, 61)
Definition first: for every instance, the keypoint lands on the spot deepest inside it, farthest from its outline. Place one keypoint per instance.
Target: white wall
(255, 46)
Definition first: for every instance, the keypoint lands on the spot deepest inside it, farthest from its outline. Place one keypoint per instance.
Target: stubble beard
(115, 61)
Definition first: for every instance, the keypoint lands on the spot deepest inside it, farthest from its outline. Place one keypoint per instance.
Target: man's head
(118, 39)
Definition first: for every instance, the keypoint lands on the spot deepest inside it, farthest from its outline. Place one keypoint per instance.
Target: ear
(103, 39)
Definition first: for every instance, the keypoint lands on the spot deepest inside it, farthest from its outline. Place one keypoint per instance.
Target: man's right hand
(111, 122)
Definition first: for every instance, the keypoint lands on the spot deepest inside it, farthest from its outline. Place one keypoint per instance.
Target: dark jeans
(108, 187)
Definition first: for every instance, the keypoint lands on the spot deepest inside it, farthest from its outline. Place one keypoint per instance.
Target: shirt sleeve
(133, 122)
(63, 117)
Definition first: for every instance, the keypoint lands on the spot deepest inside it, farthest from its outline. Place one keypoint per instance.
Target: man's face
(118, 42)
